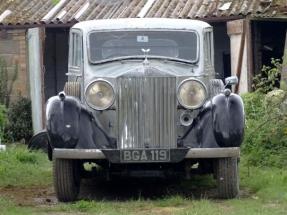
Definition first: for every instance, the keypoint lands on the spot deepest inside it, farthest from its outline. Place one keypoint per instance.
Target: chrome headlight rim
(181, 102)
(94, 106)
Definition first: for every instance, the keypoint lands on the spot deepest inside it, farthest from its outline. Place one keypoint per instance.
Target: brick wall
(13, 48)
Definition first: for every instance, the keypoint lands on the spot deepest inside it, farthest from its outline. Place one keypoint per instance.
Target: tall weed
(265, 142)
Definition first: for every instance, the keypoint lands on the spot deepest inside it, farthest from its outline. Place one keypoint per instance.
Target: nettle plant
(269, 77)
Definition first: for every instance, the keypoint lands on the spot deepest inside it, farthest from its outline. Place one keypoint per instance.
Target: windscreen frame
(141, 57)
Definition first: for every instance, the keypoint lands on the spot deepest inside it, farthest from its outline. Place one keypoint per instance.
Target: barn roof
(25, 12)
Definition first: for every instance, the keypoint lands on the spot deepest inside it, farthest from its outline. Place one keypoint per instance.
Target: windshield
(105, 46)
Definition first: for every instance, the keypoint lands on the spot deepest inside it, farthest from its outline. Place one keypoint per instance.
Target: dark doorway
(221, 50)
(55, 60)
(269, 39)
(226, 64)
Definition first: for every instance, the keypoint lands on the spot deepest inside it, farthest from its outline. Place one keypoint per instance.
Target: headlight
(191, 93)
(100, 95)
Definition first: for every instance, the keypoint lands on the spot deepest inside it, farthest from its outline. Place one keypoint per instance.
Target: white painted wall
(35, 73)
(235, 40)
(236, 29)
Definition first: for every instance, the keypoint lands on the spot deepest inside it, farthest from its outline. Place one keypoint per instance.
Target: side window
(208, 50)
(75, 50)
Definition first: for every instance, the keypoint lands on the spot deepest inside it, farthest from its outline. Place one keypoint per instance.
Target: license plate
(145, 155)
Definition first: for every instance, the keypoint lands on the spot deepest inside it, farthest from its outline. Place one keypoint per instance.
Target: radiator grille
(146, 112)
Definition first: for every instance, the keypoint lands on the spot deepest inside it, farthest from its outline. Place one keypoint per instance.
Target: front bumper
(176, 154)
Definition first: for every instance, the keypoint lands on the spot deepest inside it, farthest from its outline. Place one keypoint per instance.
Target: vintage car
(142, 100)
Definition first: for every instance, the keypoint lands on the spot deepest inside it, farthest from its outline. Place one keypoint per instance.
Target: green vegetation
(21, 168)
(9, 207)
(15, 116)
(266, 129)
(264, 183)
(174, 205)
(269, 77)
(19, 125)
(264, 191)
(265, 141)
(3, 120)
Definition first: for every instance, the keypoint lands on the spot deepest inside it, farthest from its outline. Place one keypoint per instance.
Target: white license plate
(145, 155)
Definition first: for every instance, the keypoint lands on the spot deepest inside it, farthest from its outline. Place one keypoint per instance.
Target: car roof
(141, 23)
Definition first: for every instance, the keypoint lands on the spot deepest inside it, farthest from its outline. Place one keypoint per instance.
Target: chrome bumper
(213, 152)
(97, 154)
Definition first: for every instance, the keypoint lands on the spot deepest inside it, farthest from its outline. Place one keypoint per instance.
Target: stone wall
(13, 48)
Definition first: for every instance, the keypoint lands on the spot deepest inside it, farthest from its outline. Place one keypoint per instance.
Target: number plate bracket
(144, 155)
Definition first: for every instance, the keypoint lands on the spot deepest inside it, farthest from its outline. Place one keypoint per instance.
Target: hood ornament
(145, 51)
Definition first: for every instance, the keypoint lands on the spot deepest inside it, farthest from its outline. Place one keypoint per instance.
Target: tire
(226, 174)
(67, 179)
(73, 89)
(39, 141)
(216, 86)
(50, 152)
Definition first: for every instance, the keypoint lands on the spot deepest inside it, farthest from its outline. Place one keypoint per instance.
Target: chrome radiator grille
(146, 112)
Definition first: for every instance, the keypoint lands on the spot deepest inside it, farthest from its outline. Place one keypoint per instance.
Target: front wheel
(226, 174)
(66, 179)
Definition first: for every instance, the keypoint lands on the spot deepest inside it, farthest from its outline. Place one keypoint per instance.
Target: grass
(9, 207)
(147, 207)
(265, 183)
(264, 192)
(21, 168)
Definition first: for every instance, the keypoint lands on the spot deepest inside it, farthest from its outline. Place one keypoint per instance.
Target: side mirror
(232, 80)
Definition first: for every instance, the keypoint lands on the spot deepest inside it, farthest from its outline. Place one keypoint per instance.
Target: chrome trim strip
(73, 74)
(213, 152)
(78, 154)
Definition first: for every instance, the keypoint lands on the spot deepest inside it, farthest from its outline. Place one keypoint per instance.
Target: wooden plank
(42, 45)
(283, 83)
(238, 27)
(240, 56)
(249, 46)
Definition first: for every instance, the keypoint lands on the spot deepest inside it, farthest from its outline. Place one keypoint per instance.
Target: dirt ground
(121, 190)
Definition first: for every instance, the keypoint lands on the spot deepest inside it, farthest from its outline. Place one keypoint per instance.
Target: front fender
(220, 123)
(228, 120)
(70, 125)
(63, 121)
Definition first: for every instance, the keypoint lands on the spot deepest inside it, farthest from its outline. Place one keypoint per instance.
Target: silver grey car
(142, 100)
